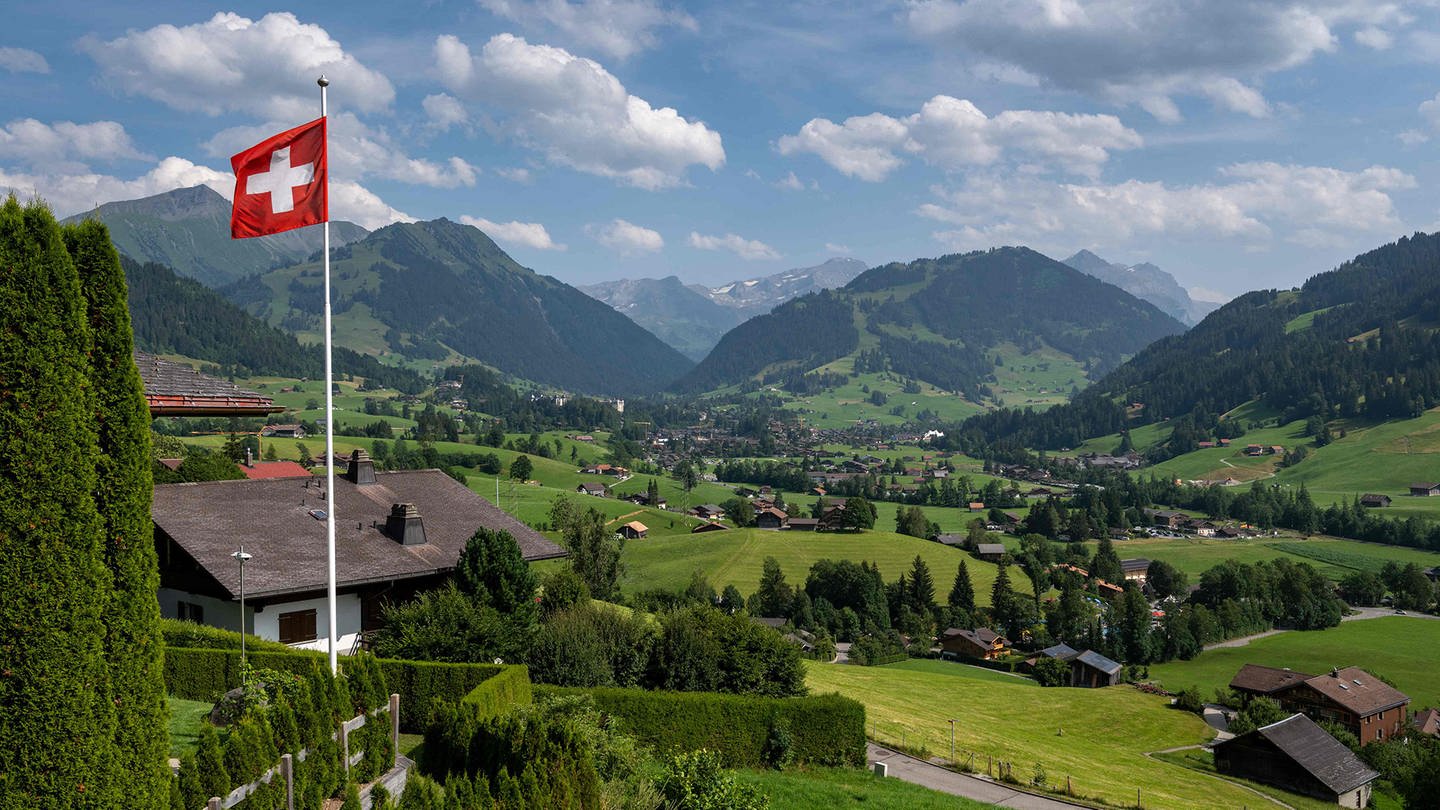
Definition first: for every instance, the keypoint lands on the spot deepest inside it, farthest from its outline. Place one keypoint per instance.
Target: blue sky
(1236, 144)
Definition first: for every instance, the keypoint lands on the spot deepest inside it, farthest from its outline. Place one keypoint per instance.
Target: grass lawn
(186, 717)
(954, 670)
(1331, 556)
(1393, 647)
(737, 556)
(807, 788)
(1106, 732)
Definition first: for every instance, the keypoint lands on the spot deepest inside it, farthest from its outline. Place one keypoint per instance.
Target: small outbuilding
(634, 530)
(1297, 755)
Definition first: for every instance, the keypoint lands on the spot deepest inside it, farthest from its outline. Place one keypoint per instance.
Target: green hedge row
(189, 634)
(494, 696)
(824, 729)
(196, 673)
(421, 683)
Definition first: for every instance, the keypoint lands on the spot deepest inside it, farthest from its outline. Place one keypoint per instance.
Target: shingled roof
(1324, 757)
(281, 522)
(173, 389)
(1357, 690)
(1266, 680)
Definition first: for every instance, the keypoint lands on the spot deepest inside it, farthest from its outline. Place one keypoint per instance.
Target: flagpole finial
(322, 81)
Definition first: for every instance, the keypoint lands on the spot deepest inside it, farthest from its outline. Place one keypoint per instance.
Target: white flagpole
(329, 427)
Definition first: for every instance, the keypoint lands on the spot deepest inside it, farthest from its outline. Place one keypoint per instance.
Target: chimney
(361, 469)
(404, 525)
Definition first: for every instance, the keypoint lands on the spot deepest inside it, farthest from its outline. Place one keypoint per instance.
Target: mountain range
(939, 321)
(694, 317)
(188, 230)
(1147, 282)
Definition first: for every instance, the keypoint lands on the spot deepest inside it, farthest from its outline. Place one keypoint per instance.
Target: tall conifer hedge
(133, 643)
(57, 719)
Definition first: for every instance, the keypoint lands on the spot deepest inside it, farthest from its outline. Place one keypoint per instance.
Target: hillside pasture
(1333, 557)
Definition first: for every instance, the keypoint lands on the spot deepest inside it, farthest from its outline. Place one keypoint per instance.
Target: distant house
(283, 431)
(1276, 450)
(1374, 501)
(1063, 652)
(1109, 590)
(802, 524)
(982, 643)
(1135, 569)
(1170, 520)
(1370, 708)
(1297, 755)
(1091, 669)
(709, 511)
(976, 506)
(595, 489)
(990, 551)
(1425, 490)
(634, 530)
(1254, 450)
(1427, 722)
(952, 540)
(709, 527)
(771, 518)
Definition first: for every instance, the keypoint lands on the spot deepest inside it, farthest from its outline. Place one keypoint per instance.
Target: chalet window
(190, 612)
(297, 626)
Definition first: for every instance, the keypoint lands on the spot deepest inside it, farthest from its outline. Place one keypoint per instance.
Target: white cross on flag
(281, 183)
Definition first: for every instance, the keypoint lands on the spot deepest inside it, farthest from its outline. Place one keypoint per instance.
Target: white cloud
(1372, 37)
(834, 248)
(358, 151)
(1146, 52)
(615, 28)
(953, 133)
(1430, 111)
(445, 111)
(529, 234)
(353, 202)
(231, 63)
(1412, 137)
(37, 143)
(576, 113)
(1254, 204)
(747, 249)
(790, 183)
(23, 60)
(515, 174)
(626, 238)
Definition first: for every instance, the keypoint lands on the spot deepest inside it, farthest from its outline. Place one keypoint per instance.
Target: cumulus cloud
(445, 111)
(358, 151)
(953, 133)
(37, 143)
(747, 249)
(352, 201)
(72, 193)
(23, 60)
(529, 234)
(614, 28)
(1253, 204)
(231, 63)
(576, 113)
(1146, 52)
(626, 238)
(790, 183)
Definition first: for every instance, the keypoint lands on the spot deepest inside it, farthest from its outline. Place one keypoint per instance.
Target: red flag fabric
(281, 183)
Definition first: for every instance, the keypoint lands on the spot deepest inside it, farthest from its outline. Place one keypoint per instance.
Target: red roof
(274, 469)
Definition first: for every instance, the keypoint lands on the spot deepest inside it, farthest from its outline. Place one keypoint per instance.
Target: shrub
(1052, 672)
(1189, 700)
(697, 781)
(824, 730)
(509, 687)
(421, 684)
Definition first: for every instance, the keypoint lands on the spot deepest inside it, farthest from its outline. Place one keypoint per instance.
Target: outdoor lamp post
(242, 557)
(952, 742)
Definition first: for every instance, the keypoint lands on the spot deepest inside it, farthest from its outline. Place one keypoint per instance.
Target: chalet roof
(174, 389)
(1137, 564)
(592, 486)
(950, 539)
(1321, 755)
(1265, 680)
(804, 521)
(1095, 660)
(280, 521)
(990, 548)
(981, 636)
(1357, 690)
(1064, 652)
(773, 622)
(1428, 722)
(1425, 486)
(637, 526)
(274, 469)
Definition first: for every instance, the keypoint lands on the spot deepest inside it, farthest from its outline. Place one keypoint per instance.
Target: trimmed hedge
(195, 673)
(824, 729)
(508, 687)
(189, 634)
(421, 683)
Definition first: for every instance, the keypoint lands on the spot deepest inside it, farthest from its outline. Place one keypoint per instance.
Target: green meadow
(808, 788)
(1333, 557)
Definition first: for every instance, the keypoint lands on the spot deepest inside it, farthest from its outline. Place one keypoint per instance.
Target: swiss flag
(281, 183)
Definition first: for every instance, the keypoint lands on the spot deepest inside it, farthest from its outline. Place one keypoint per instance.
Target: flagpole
(329, 431)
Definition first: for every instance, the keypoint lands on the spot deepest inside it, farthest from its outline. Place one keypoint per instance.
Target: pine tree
(210, 763)
(493, 571)
(1106, 564)
(962, 593)
(133, 644)
(57, 726)
(922, 588)
(1002, 600)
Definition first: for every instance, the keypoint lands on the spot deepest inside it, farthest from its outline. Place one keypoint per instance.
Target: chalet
(708, 511)
(952, 540)
(1169, 520)
(982, 643)
(802, 524)
(1427, 722)
(709, 527)
(1299, 756)
(397, 533)
(592, 488)
(283, 431)
(1202, 528)
(1370, 708)
(976, 506)
(1254, 680)
(1275, 450)
(1063, 652)
(1374, 501)
(634, 530)
(1254, 450)
(1425, 490)
(1090, 669)
(991, 552)
(771, 518)
(1136, 569)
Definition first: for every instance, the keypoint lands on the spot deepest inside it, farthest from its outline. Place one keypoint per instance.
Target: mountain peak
(1145, 281)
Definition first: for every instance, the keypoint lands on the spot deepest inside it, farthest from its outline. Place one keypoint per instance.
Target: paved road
(909, 769)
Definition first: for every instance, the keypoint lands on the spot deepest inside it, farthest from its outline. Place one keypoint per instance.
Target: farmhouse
(952, 540)
(990, 551)
(1254, 680)
(976, 506)
(1370, 708)
(634, 530)
(283, 431)
(709, 527)
(982, 643)
(771, 518)
(592, 488)
(1374, 501)
(396, 533)
(802, 524)
(1136, 570)
(1425, 490)
(1297, 755)
(709, 511)
(1170, 520)
(1427, 722)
